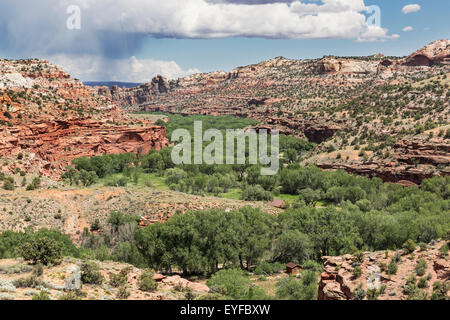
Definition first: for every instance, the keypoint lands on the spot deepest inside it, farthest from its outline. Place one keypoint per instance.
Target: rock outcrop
(331, 65)
(48, 119)
(138, 95)
(58, 142)
(411, 167)
(434, 53)
(338, 282)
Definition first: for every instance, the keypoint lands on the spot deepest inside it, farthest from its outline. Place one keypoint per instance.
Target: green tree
(292, 246)
(42, 250)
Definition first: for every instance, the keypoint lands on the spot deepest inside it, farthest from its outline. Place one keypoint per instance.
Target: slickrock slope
(378, 116)
(337, 281)
(48, 118)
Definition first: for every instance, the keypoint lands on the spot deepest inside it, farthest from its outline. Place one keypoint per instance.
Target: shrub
(8, 184)
(41, 296)
(146, 282)
(359, 293)
(43, 250)
(29, 282)
(231, 283)
(117, 182)
(383, 266)
(392, 267)
(422, 283)
(290, 288)
(70, 296)
(256, 193)
(90, 273)
(423, 246)
(357, 272)
(117, 280)
(95, 225)
(421, 267)
(409, 246)
(359, 256)
(35, 184)
(440, 290)
(444, 249)
(372, 294)
(38, 270)
(123, 293)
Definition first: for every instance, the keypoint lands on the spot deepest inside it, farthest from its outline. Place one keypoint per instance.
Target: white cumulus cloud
(408, 29)
(410, 8)
(96, 68)
(112, 31)
(204, 19)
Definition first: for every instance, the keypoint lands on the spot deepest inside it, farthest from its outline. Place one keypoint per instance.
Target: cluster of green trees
(44, 246)
(384, 216)
(221, 123)
(221, 242)
(196, 179)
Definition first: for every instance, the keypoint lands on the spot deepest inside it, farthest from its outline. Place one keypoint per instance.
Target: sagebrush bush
(392, 267)
(123, 293)
(421, 267)
(90, 273)
(29, 282)
(357, 272)
(146, 282)
(423, 283)
(42, 295)
(120, 279)
(409, 246)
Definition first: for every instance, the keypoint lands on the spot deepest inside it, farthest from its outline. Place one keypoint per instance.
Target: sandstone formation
(413, 158)
(346, 66)
(48, 119)
(136, 96)
(434, 53)
(58, 142)
(337, 281)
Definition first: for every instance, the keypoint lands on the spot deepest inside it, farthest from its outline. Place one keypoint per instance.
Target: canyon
(322, 100)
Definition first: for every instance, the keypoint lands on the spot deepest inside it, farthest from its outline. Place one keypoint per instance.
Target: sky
(134, 40)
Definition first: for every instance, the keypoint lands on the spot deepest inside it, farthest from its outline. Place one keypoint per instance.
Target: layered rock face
(58, 142)
(437, 52)
(136, 96)
(337, 281)
(347, 66)
(413, 159)
(49, 119)
(434, 53)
